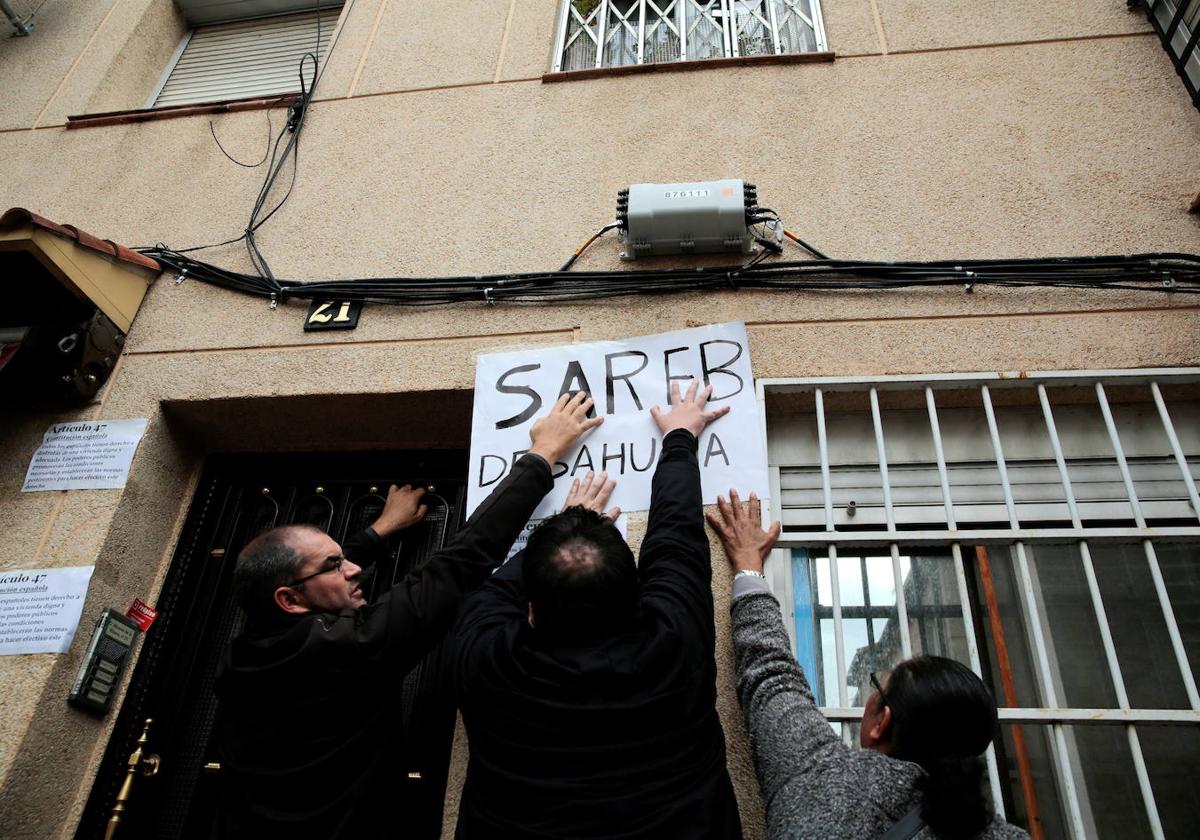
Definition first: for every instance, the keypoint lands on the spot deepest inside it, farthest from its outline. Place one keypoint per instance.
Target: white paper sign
(85, 455)
(626, 378)
(39, 608)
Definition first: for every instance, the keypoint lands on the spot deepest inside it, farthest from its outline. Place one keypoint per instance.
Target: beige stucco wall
(436, 149)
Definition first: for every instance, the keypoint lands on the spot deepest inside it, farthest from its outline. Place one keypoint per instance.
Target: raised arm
(796, 753)
(422, 606)
(674, 559)
(402, 509)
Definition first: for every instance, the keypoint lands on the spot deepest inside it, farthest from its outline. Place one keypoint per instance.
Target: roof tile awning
(41, 260)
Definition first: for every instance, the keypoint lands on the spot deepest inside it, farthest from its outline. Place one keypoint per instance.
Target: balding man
(309, 723)
(587, 682)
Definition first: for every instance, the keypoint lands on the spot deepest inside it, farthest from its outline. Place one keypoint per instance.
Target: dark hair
(266, 563)
(943, 718)
(580, 575)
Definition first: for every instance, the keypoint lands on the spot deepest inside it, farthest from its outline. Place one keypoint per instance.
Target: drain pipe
(22, 27)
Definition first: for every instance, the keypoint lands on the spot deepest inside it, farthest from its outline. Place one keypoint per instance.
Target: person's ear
(529, 616)
(881, 731)
(291, 600)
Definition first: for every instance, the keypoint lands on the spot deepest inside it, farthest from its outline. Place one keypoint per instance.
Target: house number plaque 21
(332, 315)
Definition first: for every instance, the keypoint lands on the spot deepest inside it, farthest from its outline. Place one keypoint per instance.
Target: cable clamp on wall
(969, 286)
(179, 278)
(274, 302)
(487, 296)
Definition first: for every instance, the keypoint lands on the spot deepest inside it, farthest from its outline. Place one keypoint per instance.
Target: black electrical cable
(297, 111)
(1141, 272)
(571, 260)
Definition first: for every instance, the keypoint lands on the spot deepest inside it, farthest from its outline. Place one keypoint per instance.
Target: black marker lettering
(715, 447)
(535, 401)
(667, 370)
(721, 368)
(610, 378)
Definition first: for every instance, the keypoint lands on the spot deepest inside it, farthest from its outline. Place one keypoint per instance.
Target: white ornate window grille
(617, 33)
(1055, 515)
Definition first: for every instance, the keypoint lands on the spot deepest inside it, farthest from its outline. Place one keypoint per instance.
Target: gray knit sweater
(813, 784)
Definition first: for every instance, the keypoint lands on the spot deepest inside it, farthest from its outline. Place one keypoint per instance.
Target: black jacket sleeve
(417, 612)
(675, 566)
(364, 549)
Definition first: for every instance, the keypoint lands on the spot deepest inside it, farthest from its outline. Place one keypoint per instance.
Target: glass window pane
(621, 34)
(1180, 567)
(870, 628)
(1110, 799)
(1027, 779)
(1170, 753)
(1135, 617)
(1007, 650)
(662, 31)
(1108, 786)
(1078, 664)
(579, 44)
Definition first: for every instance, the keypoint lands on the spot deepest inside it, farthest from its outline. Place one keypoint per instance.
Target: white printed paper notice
(85, 455)
(39, 608)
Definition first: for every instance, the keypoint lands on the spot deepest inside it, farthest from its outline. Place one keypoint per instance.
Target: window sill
(170, 112)
(686, 66)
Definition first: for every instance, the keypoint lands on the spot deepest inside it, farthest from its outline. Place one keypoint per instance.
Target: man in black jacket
(309, 719)
(588, 685)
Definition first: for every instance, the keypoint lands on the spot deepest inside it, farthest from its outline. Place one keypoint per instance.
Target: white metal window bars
(1017, 537)
(614, 33)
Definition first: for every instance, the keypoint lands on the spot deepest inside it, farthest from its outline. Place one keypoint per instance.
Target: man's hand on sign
(687, 412)
(741, 533)
(554, 435)
(402, 509)
(592, 493)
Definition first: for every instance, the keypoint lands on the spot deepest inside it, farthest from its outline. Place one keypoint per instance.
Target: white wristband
(749, 573)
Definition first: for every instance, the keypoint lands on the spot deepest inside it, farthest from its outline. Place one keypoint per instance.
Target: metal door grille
(615, 33)
(805, 421)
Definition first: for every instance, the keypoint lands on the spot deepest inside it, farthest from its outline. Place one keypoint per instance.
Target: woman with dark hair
(924, 728)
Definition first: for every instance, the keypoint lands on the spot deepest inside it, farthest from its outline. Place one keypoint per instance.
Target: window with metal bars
(1041, 528)
(616, 33)
(1177, 23)
(245, 59)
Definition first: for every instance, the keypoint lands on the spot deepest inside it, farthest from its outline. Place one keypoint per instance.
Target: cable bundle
(1155, 272)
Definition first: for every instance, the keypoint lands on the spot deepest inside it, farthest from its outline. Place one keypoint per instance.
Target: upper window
(245, 59)
(615, 33)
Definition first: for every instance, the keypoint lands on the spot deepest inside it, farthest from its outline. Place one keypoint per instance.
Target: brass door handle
(212, 767)
(147, 764)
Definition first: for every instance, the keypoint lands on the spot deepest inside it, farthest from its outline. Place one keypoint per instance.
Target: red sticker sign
(143, 614)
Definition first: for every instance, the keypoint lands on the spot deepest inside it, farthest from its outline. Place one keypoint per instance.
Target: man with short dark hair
(588, 684)
(310, 693)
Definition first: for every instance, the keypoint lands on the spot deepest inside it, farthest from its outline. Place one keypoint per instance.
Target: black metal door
(238, 498)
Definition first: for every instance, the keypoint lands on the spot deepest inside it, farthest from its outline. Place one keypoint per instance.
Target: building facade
(1006, 475)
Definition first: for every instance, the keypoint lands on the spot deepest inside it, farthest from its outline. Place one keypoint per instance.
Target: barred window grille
(616, 33)
(1043, 529)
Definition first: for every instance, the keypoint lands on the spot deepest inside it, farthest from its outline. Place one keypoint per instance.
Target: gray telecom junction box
(702, 218)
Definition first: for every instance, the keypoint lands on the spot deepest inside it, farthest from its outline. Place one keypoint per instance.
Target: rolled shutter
(247, 58)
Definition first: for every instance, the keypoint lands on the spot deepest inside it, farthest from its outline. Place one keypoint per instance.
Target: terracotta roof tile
(20, 216)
